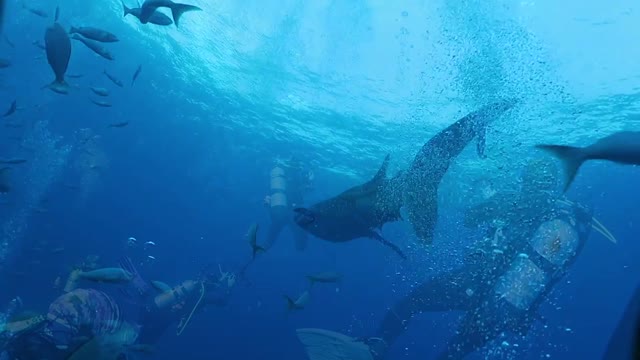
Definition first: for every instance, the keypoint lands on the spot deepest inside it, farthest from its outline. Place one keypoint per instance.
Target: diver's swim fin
(386, 242)
(572, 158)
(328, 345)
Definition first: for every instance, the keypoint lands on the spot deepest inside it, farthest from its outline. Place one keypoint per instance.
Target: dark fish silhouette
(39, 44)
(622, 148)
(113, 79)
(362, 210)
(100, 91)
(136, 74)
(119, 124)
(12, 109)
(4, 180)
(58, 48)
(2, 8)
(8, 41)
(94, 46)
(4, 63)
(101, 103)
(156, 18)
(38, 12)
(13, 161)
(149, 7)
(94, 34)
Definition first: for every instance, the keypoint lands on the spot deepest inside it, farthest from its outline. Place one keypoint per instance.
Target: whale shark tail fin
(328, 345)
(572, 158)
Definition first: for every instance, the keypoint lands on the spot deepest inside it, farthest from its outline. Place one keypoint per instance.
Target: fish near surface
(419, 186)
(113, 79)
(94, 34)
(94, 46)
(622, 147)
(149, 7)
(156, 18)
(355, 213)
(100, 91)
(324, 277)
(101, 103)
(12, 109)
(136, 74)
(58, 49)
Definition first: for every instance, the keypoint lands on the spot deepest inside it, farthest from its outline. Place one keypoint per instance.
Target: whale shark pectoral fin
(394, 247)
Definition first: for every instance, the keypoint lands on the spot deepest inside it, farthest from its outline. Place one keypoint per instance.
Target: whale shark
(361, 211)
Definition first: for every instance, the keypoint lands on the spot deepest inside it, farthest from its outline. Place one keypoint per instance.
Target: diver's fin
(178, 9)
(393, 246)
(482, 144)
(572, 157)
(328, 345)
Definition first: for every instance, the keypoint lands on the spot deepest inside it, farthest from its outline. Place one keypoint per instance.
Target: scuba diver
(533, 237)
(91, 322)
(289, 182)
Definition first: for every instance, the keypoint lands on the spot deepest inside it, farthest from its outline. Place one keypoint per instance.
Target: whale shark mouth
(304, 217)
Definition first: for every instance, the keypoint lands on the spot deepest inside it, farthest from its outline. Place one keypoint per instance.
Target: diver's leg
(299, 236)
(278, 222)
(481, 326)
(447, 292)
(443, 293)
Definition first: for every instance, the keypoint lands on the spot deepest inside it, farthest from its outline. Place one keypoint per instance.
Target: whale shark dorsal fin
(370, 186)
(382, 172)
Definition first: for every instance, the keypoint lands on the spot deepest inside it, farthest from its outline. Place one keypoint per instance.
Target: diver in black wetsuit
(289, 183)
(533, 240)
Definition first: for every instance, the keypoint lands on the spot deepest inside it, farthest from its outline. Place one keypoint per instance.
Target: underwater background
(338, 84)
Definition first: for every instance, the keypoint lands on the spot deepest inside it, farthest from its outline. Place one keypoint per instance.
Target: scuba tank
(553, 246)
(175, 295)
(278, 187)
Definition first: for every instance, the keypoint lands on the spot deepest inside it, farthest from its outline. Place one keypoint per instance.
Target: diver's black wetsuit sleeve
(446, 292)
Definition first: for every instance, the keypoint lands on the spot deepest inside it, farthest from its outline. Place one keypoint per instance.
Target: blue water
(338, 84)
